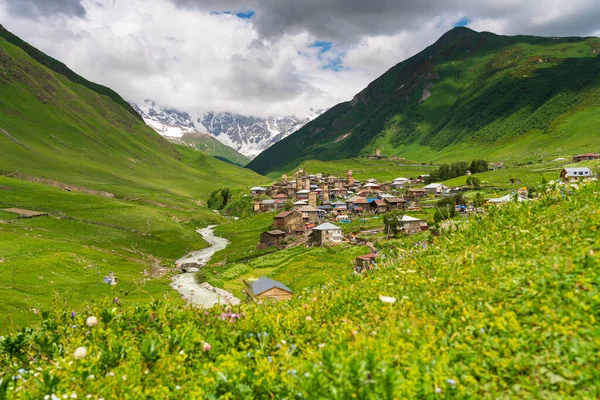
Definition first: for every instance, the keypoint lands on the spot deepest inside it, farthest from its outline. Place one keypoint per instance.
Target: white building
(436, 188)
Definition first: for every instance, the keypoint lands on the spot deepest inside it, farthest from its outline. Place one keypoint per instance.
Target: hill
(55, 128)
(503, 306)
(118, 196)
(208, 144)
(468, 95)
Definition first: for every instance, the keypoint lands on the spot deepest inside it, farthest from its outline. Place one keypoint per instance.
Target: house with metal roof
(412, 225)
(573, 174)
(435, 188)
(326, 233)
(258, 190)
(266, 288)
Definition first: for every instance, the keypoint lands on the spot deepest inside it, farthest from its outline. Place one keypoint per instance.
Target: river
(185, 283)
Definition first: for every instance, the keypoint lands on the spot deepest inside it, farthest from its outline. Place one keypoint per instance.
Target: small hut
(265, 288)
(366, 262)
(271, 238)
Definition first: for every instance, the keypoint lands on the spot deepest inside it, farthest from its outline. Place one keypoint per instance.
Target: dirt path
(185, 283)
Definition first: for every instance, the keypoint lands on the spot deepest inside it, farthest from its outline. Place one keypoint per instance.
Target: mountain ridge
(432, 106)
(247, 135)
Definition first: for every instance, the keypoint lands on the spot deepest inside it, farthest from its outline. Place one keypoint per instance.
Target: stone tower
(349, 178)
(284, 179)
(306, 183)
(377, 153)
(312, 199)
(298, 183)
(325, 193)
(256, 204)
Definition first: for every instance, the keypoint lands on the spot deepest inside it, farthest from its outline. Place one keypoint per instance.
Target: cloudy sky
(264, 57)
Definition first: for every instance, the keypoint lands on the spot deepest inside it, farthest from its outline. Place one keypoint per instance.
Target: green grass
(82, 138)
(491, 97)
(57, 256)
(208, 144)
(58, 126)
(362, 169)
(502, 307)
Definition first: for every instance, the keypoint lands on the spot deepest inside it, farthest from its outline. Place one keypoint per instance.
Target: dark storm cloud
(36, 8)
(346, 21)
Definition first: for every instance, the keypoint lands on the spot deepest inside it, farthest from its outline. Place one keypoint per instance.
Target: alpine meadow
(206, 223)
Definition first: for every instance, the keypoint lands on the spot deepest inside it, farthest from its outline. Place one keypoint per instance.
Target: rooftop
(263, 284)
(327, 226)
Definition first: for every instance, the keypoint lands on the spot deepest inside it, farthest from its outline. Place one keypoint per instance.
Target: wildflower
(181, 352)
(206, 346)
(91, 321)
(482, 330)
(124, 377)
(111, 373)
(451, 382)
(73, 395)
(116, 300)
(308, 318)
(387, 299)
(321, 345)
(269, 359)
(178, 387)
(438, 390)
(80, 353)
(73, 314)
(22, 371)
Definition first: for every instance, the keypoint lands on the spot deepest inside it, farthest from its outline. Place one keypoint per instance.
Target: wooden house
(416, 193)
(584, 157)
(395, 203)
(378, 206)
(366, 262)
(264, 288)
(573, 174)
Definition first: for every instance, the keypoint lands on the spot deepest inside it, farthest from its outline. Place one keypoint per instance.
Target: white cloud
(191, 59)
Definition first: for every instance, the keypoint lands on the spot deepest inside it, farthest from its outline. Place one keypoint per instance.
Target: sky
(264, 57)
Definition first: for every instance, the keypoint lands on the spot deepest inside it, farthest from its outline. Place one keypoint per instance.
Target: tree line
(456, 169)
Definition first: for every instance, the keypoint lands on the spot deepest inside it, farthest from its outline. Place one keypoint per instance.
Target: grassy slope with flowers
(505, 307)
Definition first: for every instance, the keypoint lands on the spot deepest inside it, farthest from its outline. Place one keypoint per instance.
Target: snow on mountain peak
(248, 135)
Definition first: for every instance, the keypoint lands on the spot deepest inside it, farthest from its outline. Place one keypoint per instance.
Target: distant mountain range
(470, 94)
(245, 134)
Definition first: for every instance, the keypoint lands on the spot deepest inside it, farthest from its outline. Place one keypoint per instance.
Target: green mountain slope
(211, 146)
(468, 95)
(54, 128)
(506, 306)
(126, 200)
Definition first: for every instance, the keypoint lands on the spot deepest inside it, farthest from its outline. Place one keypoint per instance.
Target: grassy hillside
(80, 137)
(124, 199)
(211, 146)
(503, 307)
(468, 95)
(65, 71)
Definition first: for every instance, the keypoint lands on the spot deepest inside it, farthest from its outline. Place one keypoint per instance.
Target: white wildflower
(387, 299)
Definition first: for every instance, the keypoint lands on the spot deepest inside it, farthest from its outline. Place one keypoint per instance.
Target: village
(315, 209)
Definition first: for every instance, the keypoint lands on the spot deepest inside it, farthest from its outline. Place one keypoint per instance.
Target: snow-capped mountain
(247, 135)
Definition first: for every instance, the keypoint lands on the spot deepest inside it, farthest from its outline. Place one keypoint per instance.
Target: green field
(56, 126)
(503, 306)
(362, 169)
